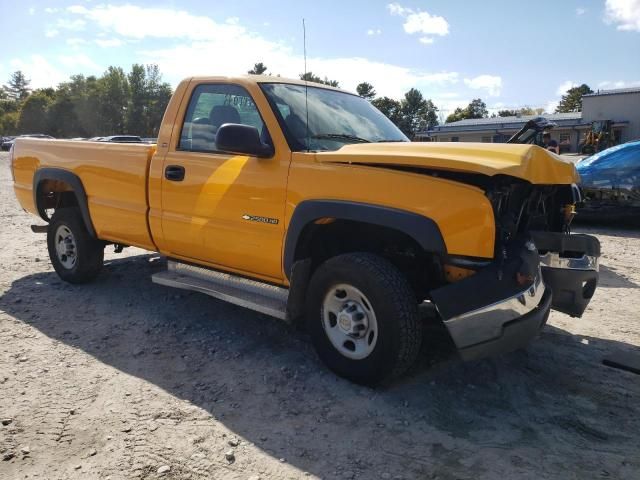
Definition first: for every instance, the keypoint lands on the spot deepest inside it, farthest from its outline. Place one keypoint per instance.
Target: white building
(620, 106)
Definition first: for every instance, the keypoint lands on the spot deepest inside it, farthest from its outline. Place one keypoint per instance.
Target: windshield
(335, 118)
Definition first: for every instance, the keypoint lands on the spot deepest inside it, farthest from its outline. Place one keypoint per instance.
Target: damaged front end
(538, 265)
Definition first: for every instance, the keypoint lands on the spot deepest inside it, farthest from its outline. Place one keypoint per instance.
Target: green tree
(158, 96)
(476, 109)
(86, 98)
(391, 108)
(138, 102)
(520, 112)
(416, 113)
(17, 88)
(114, 92)
(9, 123)
(366, 90)
(258, 69)
(34, 114)
(311, 77)
(572, 100)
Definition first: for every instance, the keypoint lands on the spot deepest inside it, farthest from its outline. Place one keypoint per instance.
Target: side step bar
(261, 297)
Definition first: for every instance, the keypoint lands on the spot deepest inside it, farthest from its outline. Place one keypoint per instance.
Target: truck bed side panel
(114, 177)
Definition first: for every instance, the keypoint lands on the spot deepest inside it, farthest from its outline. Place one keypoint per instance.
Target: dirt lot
(121, 378)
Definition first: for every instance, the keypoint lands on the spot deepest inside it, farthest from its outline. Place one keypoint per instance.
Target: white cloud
(51, 10)
(609, 84)
(226, 47)
(51, 32)
(49, 72)
(491, 83)
(397, 9)
(79, 62)
(75, 25)
(624, 13)
(124, 20)
(423, 22)
(374, 31)
(580, 11)
(564, 86)
(38, 70)
(110, 42)
(74, 42)
(420, 22)
(32, 11)
(551, 106)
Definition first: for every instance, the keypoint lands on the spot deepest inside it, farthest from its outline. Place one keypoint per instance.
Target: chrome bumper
(555, 260)
(487, 323)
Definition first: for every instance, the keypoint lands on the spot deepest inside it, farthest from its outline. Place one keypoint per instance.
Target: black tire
(399, 334)
(89, 252)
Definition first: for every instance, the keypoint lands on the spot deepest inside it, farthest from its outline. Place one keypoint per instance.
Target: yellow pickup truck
(304, 202)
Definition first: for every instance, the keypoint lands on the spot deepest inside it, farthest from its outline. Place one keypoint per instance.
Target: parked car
(6, 145)
(611, 184)
(121, 139)
(304, 202)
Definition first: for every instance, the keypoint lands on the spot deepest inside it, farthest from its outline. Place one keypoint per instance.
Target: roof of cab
(245, 79)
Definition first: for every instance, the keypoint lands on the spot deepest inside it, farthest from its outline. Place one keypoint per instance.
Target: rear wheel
(363, 318)
(76, 256)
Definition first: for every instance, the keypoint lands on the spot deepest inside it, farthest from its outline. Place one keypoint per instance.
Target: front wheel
(76, 256)
(363, 318)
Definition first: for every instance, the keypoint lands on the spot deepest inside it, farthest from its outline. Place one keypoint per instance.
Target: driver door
(218, 208)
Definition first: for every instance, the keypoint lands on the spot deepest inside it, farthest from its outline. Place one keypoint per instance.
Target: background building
(620, 106)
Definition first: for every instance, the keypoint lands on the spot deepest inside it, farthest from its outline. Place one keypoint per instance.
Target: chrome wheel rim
(349, 321)
(66, 247)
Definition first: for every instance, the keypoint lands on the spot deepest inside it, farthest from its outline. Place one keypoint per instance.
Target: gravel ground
(126, 379)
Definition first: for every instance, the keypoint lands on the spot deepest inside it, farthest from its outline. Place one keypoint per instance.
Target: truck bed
(114, 177)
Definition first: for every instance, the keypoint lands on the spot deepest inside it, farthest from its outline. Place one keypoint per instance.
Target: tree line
(414, 113)
(134, 103)
(112, 104)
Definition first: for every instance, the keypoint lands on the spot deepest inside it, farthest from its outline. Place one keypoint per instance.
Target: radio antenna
(306, 80)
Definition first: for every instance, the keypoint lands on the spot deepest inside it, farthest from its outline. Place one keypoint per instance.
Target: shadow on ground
(553, 409)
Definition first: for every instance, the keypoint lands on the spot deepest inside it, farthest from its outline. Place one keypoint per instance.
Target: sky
(510, 54)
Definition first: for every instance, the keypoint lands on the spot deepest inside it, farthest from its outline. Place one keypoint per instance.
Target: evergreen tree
(572, 100)
(365, 90)
(17, 88)
(311, 77)
(258, 69)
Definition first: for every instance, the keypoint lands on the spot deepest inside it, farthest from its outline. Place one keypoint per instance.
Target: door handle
(175, 173)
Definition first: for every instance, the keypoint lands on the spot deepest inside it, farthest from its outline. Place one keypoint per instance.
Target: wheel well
(328, 238)
(54, 194)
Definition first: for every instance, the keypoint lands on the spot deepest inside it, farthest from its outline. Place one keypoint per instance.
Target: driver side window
(210, 107)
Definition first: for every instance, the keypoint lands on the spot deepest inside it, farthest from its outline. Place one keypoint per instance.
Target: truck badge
(256, 218)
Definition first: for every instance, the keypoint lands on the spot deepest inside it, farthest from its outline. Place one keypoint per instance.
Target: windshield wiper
(341, 136)
(386, 140)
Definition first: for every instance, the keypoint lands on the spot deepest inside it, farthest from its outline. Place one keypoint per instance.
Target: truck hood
(528, 162)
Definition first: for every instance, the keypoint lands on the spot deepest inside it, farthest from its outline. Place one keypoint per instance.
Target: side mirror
(236, 138)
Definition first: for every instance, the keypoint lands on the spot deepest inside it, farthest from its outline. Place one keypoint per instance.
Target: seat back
(221, 114)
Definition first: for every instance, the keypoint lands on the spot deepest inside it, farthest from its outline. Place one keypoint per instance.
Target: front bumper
(569, 268)
(514, 334)
(491, 312)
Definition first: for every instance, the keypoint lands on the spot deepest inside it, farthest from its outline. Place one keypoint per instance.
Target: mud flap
(570, 269)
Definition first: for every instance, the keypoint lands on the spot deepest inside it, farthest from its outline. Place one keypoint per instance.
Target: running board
(261, 297)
